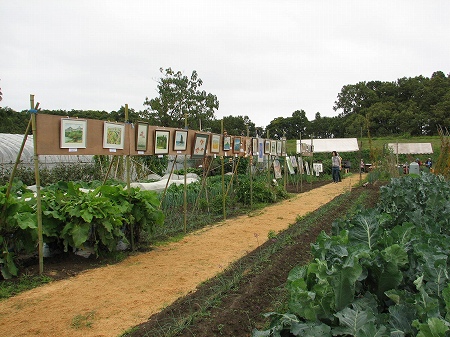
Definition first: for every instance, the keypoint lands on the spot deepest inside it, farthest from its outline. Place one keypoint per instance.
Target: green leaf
(351, 321)
(344, 283)
(434, 327)
(26, 220)
(80, 234)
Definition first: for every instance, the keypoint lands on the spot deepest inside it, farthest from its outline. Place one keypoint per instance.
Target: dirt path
(109, 300)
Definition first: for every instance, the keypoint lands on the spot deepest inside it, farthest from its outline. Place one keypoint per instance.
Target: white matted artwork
(141, 136)
(278, 147)
(307, 168)
(113, 135)
(260, 150)
(180, 140)
(215, 143)
(293, 160)
(200, 145)
(277, 169)
(289, 165)
(226, 143)
(283, 147)
(162, 141)
(300, 165)
(273, 147)
(73, 133)
(255, 146)
(237, 142)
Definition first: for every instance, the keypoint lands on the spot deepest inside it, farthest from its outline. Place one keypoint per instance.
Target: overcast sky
(262, 59)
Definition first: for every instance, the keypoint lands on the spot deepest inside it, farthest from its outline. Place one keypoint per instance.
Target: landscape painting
(162, 141)
(73, 133)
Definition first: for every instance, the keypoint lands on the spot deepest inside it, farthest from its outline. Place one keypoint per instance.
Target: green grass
(10, 288)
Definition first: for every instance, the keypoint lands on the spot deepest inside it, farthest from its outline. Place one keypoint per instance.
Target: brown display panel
(48, 129)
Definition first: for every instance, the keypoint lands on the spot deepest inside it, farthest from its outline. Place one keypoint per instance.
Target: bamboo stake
(33, 112)
(205, 174)
(185, 194)
(168, 180)
(109, 170)
(127, 162)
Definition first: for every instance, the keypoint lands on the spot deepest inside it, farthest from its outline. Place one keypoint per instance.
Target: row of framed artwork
(74, 133)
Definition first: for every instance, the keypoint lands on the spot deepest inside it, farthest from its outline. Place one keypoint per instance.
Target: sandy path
(108, 300)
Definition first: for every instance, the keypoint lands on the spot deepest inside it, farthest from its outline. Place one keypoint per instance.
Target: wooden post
(269, 155)
(224, 204)
(185, 179)
(127, 161)
(301, 168)
(33, 112)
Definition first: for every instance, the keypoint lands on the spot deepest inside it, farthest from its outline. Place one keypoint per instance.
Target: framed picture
(141, 136)
(180, 142)
(215, 143)
(237, 144)
(267, 146)
(162, 141)
(200, 145)
(278, 147)
(255, 146)
(113, 135)
(73, 133)
(248, 147)
(273, 147)
(226, 143)
(283, 147)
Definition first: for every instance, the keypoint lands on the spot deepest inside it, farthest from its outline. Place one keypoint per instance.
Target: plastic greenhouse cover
(10, 146)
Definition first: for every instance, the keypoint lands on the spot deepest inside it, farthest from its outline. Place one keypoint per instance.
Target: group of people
(428, 162)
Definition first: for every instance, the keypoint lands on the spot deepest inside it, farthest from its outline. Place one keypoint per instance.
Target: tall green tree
(233, 125)
(180, 97)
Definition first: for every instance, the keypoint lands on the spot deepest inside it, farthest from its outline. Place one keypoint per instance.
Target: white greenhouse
(10, 146)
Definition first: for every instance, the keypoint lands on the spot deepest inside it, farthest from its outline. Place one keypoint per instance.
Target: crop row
(382, 272)
(74, 218)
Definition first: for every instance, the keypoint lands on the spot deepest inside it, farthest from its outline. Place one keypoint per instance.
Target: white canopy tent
(410, 148)
(328, 145)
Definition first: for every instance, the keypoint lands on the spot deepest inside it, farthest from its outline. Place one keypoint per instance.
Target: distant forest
(413, 106)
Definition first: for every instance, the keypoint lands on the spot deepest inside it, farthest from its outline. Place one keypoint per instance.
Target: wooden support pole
(127, 163)
(33, 112)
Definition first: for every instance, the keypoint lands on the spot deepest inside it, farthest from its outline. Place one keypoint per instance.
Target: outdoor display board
(58, 135)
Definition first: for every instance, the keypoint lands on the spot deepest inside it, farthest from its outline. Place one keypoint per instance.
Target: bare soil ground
(152, 289)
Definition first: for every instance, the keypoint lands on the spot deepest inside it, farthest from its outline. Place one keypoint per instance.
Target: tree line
(410, 106)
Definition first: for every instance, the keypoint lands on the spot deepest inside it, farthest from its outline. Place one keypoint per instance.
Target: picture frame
(180, 141)
(248, 147)
(283, 147)
(113, 135)
(162, 138)
(215, 143)
(273, 147)
(73, 133)
(278, 147)
(226, 143)
(141, 136)
(237, 142)
(255, 146)
(200, 145)
(267, 146)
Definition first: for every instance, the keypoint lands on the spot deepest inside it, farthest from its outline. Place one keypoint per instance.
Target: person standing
(335, 167)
